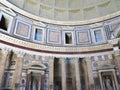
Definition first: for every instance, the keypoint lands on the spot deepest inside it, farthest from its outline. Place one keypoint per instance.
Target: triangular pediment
(7, 10)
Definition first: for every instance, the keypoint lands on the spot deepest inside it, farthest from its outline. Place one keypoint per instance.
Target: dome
(69, 10)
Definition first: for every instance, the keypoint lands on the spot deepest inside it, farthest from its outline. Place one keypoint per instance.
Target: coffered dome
(69, 10)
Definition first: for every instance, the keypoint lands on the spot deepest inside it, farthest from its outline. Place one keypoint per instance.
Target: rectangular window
(68, 38)
(98, 35)
(3, 23)
(38, 35)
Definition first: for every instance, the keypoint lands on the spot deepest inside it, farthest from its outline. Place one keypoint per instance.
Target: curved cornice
(34, 17)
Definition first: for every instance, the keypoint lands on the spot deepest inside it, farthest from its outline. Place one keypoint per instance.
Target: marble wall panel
(83, 37)
(54, 36)
(22, 29)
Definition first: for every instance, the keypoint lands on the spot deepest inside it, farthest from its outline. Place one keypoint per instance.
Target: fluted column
(90, 74)
(3, 58)
(18, 70)
(77, 73)
(63, 66)
(27, 81)
(100, 77)
(117, 59)
(85, 74)
(116, 82)
(51, 73)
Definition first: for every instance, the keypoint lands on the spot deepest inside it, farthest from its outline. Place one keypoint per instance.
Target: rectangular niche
(22, 29)
(87, 3)
(83, 37)
(74, 3)
(61, 14)
(38, 34)
(118, 4)
(46, 11)
(54, 36)
(68, 38)
(75, 14)
(90, 12)
(32, 6)
(106, 8)
(5, 22)
(19, 3)
(48, 2)
(61, 3)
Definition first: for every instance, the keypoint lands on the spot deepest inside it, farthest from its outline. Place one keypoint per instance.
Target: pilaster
(18, 70)
(116, 82)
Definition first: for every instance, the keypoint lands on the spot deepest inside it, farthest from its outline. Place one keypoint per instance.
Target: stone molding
(22, 43)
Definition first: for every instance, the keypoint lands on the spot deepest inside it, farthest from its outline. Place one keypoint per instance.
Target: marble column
(3, 59)
(18, 70)
(63, 68)
(117, 59)
(51, 73)
(27, 81)
(90, 74)
(117, 62)
(77, 73)
(100, 77)
(116, 82)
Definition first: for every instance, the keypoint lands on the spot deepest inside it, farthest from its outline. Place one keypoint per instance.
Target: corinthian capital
(5, 50)
(19, 53)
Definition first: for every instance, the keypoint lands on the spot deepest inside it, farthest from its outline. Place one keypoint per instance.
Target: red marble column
(27, 82)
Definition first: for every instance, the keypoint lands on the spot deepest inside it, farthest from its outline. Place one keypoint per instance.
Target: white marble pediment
(7, 10)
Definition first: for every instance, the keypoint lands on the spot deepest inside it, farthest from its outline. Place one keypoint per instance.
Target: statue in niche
(108, 84)
(35, 83)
